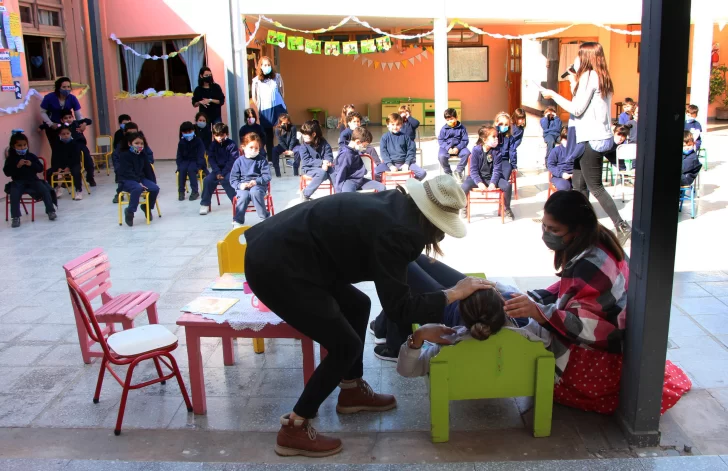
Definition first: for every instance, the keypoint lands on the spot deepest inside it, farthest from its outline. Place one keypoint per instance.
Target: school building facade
(62, 37)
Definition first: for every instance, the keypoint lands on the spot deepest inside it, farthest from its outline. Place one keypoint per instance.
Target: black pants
(424, 275)
(37, 187)
(75, 173)
(587, 177)
(268, 142)
(334, 316)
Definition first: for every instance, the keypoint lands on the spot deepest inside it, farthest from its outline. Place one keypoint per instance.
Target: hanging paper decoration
(398, 64)
(389, 65)
(368, 46)
(411, 60)
(351, 47)
(154, 58)
(295, 43)
(424, 54)
(404, 63)
(383, 44)
(419, 57)
(369, 63)
(276, 38)
(313, 47)
(332, 48)
(255, 31)
(376, 64)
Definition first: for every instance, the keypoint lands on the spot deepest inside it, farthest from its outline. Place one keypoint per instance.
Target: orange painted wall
(623, 60)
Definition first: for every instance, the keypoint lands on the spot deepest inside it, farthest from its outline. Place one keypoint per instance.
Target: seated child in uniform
(221, 156)
(287, 135)
(690, 164)
(693, 125)
(249, 177)
(190, 160)
(66, 159)
(409, 124)
(453, 140)
(316, 157)
(621, 133)
(632, 125)
(350, 168)
(203, 130)
(551, 125)
(518, 124)
(343, 124)
(23, 168)
(627, 110)
(67, 120)
(353, 121)
(119, 134)
(136, 176)
(559, 165)
(398, 151)
(129, 128)
(251, 125)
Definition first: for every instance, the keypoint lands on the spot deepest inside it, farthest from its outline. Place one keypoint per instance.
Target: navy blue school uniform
(632, 139)
(205, 135)
(691, 125)
(134, 175)
(690, 168)
(245, 170)
(624, 118)
(409, 127)
(248, 128)
(558, 164)
(350, 173)
(190, 159)
(449, 137)
(574, 150)
(345, 138)
(118, 137)
(485, 167)
(312, 158)
(287, 140)
(25, 180)
(551, 132)
(516, 139)
(220, 156)
(397, 150)
(66, 155)
(88, 161)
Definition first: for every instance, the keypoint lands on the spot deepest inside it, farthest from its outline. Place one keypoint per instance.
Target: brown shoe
(358, 396)
(298, 437)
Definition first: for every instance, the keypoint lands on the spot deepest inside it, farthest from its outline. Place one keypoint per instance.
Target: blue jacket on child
(349, 166)
(632, 139)
(694, 124)
(623, 118)
(245, 170)
(690, 168)
(557, 162)
(344, 138)
(134, 167)
(191, 153)
(221, 156)
(409, 128)
(484, 168)
(66, 154)
(456, 136)
(313, 157)
(551, 127)
(516, 139)
(397, 149)
(287, 140)
(147, 152)
(25, 173)
(504, 150)
(248, 128)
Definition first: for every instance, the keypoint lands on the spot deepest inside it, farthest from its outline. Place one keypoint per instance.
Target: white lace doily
(242, 315)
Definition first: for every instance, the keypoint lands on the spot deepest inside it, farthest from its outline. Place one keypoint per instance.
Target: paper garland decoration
(154, 58)
(389, 65)
(313, 47)
(368, 46)
(383, 43)
(332, 48)
(255, 31)
(33, 92)
(148, 93)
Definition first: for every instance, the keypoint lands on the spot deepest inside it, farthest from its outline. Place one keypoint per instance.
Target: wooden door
(252, 63)
(514, 74)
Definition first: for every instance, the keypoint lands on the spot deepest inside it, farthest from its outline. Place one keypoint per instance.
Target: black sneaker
(377, 340)
(92, 183)
(116, 199)
(384, 353)
(15, 223)
(143, 207)
(624, 232)
(194, 196)
(128, 218)
(52, 216)
(181, 197)
(509, 214)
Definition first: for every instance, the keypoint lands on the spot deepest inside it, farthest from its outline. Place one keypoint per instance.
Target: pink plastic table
(197, 327)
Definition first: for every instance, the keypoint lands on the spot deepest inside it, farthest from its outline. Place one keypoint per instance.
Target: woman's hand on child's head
(433, 333)
(521, 306)
(466, 287)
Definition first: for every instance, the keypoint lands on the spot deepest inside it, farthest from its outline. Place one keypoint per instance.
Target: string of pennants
(395, 64)
(330, 48)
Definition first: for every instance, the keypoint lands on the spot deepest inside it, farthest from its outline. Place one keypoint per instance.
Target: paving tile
(689, 290)
(245, 357)
(564, 465)
(330, 421)
(9, 375)
(136, 466)
(723, 339)
(700, 276)
(281, 383)
(720, 395)
(63, 355)
(701, 417)
(684, 326)
(223, 413)
(51, 333)
(699, 347)
(394, 383)
(262, 414)
(85, 383)
(148, 412)
(25, 315)
(715, 324)
(10, 332)
(19, 410)
(701, 306)
(232, 381)
(681, 463)
(69, 411)
(45, 380)
(33, 465)
(23, 355)
(716, 288)
(194, 286)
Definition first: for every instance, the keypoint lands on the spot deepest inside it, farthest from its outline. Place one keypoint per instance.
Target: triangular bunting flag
(418, 57)
(412, 60)
(404, 63)
(384, 66)
(376, 64)
(429, 48)
(424, 54)
(356, 57)
(398, 65)
(369, 63)
(389, 65)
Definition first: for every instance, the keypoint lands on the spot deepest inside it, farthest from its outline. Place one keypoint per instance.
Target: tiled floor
(45, 386)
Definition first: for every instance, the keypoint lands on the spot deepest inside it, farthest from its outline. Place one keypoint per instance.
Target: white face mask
(563, 142)
(306, 138)
(492, 142)
(353, 125)
(251, 154)
(618, 140)
(357, 147)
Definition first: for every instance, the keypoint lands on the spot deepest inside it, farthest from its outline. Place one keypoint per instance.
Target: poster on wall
(295, 43)
(383, 44)
(467, 64)
(313, 47)
(6, 30)
(15, 66)
(18, 91)
(277, 38)
(368, 46)
(351, 48)
(332, 48)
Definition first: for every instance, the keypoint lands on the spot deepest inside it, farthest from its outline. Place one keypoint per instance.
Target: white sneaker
(237, 224)
(59, 192)
(204, 210)
(79, 196)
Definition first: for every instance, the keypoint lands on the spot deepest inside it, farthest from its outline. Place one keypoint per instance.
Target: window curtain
(566, 57)
(193, 57)
(134, 63)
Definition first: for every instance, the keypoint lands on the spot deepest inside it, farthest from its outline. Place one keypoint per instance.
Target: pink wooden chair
(92, 272)
(129, 347)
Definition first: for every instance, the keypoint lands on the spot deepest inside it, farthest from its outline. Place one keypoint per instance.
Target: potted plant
(719, 91)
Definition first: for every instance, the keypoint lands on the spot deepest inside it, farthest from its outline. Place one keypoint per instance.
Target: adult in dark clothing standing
(208, 96)
(302, 264)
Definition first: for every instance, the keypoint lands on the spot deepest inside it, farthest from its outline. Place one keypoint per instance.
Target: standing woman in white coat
(592, 88)
(267, 92)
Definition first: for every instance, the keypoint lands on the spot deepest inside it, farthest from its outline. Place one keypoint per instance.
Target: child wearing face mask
(353, 121)
(343, 124)
(409, 124)
(551, 125)
(627, 110)
(68, 121)
(453, 140)
(251, 125)
(398, 151)
(221, 156)
(203, 130)
(66, 159)
(621, 133)
(249, 177)
(485, 168)
(692, 125)
(350, 169)
(190, 160)
(559, 165)
(518, 121)
(23, 168)
(502, 123)
(136, 176)
(316, 157)
(124, 119)
(286, 133)
(690, 164)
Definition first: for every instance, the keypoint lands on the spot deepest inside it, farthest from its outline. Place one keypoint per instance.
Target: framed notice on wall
(467, 64)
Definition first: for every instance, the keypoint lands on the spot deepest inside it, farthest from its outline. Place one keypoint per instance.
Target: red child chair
(513, 180)
(92, 272)
(129, 347)
(305, 180)
(251, 206)
(478, 196)
(27, 199)
(392, 179)
(552, 188)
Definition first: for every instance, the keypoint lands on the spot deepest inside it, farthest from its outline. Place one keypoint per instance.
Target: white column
(440, 68)
(240, 71)
(700, 67)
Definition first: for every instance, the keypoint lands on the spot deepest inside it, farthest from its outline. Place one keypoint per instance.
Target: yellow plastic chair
(200, 178)
(142, 200)
(64, 180)
(103, 152)
(231, 259)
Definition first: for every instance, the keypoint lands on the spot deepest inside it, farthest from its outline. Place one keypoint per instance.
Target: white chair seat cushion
(142, 339)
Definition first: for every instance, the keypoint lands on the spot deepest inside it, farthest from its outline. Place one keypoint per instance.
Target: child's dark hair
(219, 129)
(250, 113)
(132, 136)
(572, 209)
(124, 117)
(518, 114)
(65, 113)
(361, 134)
(352, 115)
(312, 128)
(433, 235)
(283, 117)
(203, 69)
(484, 132)
(250, 137)
(394, 118)
(451, 113)
(628, 101)
(17, 137)
(564, 133)
(186, 127)
(549, 109)
(482, 312)
(688, 138)
(344, 113)
(622, 130)
(199, 115)
(692, 109)
(404, 109)
(131, 125)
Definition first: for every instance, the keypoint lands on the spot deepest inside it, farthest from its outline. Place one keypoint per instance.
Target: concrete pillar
(700, 66)
(238, 71)
(440, 70)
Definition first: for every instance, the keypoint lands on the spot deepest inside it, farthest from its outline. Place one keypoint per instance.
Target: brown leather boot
(298, 437)
(358, 396)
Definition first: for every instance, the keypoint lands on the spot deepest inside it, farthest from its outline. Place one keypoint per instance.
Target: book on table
(209, 305)
(229, 281)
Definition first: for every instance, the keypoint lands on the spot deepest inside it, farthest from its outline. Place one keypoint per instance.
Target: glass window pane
(26, 15)
(57, 48)
(49, 17)
(35, 58)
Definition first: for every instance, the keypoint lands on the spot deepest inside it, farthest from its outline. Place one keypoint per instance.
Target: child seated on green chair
(690, 162)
